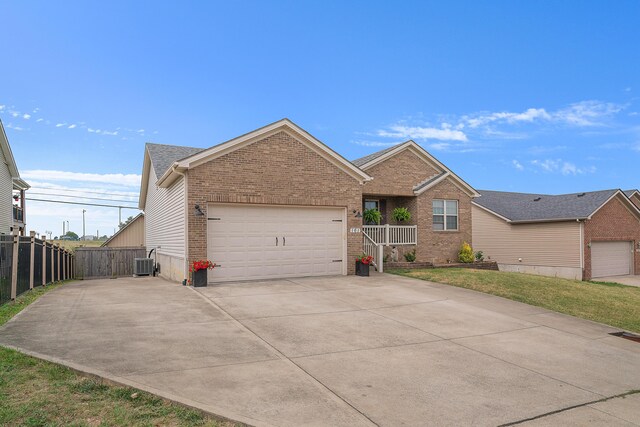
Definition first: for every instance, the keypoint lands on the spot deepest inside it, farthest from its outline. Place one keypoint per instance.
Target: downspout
(581, 224)
(185, 265)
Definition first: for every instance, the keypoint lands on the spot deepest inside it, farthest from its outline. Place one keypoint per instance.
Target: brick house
(276, 202)
(579, 236)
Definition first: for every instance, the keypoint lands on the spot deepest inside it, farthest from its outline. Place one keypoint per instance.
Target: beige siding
(164, 217)
(131, 235)
(554, 244)
(6, 203)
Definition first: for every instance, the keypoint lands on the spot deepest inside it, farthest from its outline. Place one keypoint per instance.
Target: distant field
(72, 245)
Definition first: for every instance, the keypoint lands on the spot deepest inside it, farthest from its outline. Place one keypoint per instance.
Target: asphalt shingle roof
(629, 193)
(542, 207)
(366, 159)
(162, 156)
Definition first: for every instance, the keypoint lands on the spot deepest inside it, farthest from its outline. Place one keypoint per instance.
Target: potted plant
(199, 272)
(362, 264)
(372, 216)
(401, 214)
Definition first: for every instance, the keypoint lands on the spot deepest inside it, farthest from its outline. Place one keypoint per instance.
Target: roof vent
(537, 199)
(581, 194)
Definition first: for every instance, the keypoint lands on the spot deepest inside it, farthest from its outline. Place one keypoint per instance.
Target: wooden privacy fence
(98, 263)
(27, 262)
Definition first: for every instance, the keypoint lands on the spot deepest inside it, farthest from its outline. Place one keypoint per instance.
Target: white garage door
(264, 242)
(610, 259)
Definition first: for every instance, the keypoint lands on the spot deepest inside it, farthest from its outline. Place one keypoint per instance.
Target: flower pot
(362, 269)
(200, 278)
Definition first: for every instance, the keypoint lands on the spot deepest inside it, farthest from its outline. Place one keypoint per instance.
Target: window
(371, 204)
(445, 215)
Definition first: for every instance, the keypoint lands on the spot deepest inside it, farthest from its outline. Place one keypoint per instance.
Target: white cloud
(11, 126)
(59, 125)
(126, 180)
(106, 132)
(2, 107)
(26, 116)
(587, 113)
(516, 164)
(39, 120)
(73, 126)
(422, 133)
(563, 167)
(14, 114)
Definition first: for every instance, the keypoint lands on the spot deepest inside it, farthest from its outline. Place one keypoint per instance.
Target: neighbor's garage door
(610, 259)
(265, 242)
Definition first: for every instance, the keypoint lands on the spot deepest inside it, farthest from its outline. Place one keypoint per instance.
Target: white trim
(426, 157)
(259, 134)
(634, 209)
(146, 165)
(444, 215)
(582, 245)
(490, 211)
(431, 184)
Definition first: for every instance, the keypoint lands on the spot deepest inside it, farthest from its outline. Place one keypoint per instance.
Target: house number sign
(355, 230)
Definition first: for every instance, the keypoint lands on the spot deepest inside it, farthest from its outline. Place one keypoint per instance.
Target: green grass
(73, 244)
(34, 392)
(611, 303)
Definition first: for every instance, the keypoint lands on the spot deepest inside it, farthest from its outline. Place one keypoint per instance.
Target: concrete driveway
(625, 280)
(338, 351)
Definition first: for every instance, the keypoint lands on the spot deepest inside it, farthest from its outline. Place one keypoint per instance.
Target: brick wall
(612, 222)
(398, 175)
(440, 246)
(278, 170)
(636, 200)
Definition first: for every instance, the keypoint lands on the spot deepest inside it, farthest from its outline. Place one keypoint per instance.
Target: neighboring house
(276, 202)
(130, 235)
(12, 190)
(579, 236)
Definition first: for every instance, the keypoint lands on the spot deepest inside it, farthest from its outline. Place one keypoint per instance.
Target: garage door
(266, 242)
(610, 259)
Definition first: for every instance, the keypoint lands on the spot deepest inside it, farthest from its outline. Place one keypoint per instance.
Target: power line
(78, 197)
(82, 191)
(82, 204)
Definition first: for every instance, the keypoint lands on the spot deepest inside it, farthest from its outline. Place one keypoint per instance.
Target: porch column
(33, 258)
(386, 234)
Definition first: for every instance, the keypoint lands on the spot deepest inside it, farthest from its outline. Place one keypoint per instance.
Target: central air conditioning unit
(143, 266)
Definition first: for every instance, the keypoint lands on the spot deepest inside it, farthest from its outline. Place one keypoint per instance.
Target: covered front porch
(388, 221)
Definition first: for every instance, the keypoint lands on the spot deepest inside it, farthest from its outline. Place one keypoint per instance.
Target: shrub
(479, 256)
(466, 253)
(372, 216)
(401, 214)
(410, 256)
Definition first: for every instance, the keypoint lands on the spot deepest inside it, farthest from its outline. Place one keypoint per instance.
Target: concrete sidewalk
(624, 280)
(383, 350)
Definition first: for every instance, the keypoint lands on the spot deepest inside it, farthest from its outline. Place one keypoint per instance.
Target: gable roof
(630, 193)
(373, 159)
(136, 218)
(527, 207)
(366, 159)
(18, 183)
(180, 165)
(162, 156)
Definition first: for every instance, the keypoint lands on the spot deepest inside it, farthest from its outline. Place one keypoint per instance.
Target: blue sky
(531, 96)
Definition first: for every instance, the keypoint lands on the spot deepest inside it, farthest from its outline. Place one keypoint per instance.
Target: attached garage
(266, 242)
(611, 259)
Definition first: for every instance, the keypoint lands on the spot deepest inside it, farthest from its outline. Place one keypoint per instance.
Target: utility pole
(63, 228)
(83, 224)
(119, 216)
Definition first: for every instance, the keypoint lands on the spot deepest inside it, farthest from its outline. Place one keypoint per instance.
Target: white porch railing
(392, 234)
(374, 250)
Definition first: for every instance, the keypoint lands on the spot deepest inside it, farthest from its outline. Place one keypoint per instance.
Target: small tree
(72, 236)
(401, 214)
(466, 253)
(410, 256)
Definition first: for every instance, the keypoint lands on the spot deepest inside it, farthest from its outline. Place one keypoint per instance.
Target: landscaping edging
(484, 265)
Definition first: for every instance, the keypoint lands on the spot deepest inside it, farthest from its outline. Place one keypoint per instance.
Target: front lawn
(611, 303)
(34, 392)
